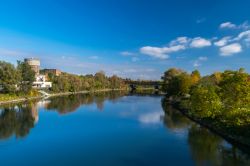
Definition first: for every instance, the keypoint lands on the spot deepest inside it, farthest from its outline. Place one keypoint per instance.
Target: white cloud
(223, 41)
(196, 64)
(244, 34)
(244, 25)
(199, 42)
(180, 41)
(161, 52)
(230, 49)
(227, 25)
(126, 53)
(200, 59)
(230, 25)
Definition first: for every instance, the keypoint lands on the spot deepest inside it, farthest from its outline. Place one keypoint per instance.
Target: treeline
(16, 80)
(19, 79)
(222, 97)
(74, 83)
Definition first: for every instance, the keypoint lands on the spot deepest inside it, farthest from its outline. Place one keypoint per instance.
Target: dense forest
(73, 83)
(221, 100)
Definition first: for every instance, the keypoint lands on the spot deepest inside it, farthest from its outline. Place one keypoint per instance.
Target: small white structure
(41, 82)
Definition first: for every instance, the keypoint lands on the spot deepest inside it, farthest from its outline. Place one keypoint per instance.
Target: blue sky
(129, 38)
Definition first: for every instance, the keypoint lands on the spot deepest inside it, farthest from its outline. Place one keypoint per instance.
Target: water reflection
(173, 119)
(81, 134)
(67, 104)
(17, 120)
(206, 148)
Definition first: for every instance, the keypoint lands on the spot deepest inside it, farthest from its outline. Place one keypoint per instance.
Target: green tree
(27, 76)
(9, 77)
(204, 102)
(235, 89)
(235, 95)
(178, 85)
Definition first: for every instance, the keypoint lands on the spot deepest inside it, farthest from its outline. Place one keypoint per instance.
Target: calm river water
(108, 129)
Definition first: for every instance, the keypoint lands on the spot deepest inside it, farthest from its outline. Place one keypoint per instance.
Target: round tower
(34, 63)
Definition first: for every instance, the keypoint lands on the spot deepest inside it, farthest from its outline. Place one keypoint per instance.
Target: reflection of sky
(151, 118)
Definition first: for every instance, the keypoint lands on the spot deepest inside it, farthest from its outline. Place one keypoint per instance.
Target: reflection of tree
(233, 156)
(204, 146)
(16, 121)
(66, 104)
(173, 119)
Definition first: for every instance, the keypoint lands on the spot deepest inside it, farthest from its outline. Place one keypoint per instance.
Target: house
(41, 82)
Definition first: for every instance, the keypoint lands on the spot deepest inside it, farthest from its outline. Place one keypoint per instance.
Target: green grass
(9, 97)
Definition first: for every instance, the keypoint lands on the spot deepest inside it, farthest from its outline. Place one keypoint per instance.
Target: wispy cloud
(245, 35)
(199, 42)
(230, 49)
(160, 52)
(230, 25)
(127, 53)
(198, 62)
(222, 42)
(8, 52)
(94, 57)
(227, 25)
(200, 20)
(178, 44)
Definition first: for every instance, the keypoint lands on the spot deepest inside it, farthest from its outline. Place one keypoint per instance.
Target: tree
(204, 101)
(235, 89)
(176, 82)
(27, 76)
(235, 94)
(195, 76)
(9, 77)
(115, 82)
(169, 79)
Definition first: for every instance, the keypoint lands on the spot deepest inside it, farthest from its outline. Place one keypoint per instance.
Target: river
(109, 129)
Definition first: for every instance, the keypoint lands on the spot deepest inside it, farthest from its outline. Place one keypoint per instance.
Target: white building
(41, 82)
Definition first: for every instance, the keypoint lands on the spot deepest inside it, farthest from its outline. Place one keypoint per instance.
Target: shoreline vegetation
(16, 83)
(19, 99)
(219, 102)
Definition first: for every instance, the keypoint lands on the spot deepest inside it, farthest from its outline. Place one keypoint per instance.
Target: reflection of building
(55, 72)
(34, 112)
(34, 63)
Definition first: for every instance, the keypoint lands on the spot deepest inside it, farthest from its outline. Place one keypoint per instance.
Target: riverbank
(230, 133)
(17, 99)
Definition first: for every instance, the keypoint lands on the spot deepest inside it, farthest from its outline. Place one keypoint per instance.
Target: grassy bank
(12, 98)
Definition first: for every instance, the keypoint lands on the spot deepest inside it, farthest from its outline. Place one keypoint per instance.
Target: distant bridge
(144, 84)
